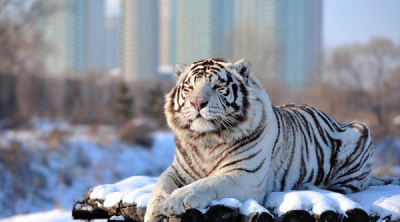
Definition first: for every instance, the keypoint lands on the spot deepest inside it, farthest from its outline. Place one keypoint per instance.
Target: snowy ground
(47, 216)
(42, 172)
(52, 164)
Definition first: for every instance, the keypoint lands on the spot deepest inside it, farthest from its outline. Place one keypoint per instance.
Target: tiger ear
(179, 69)
(243, 67)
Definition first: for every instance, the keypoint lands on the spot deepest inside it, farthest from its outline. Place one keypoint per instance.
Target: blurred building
(255, 36)
(139, 39)
(63, 30)
(201, 28)
(78, 35)
(166, 47)
(281, 38)
(299, 38)
(112, 38)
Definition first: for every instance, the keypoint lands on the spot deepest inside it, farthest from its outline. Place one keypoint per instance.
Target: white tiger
(231, 142)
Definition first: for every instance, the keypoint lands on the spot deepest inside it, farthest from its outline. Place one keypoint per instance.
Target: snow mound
(229, 202)
(314, 201)
(134, 190)
(251, 206)
(47, 216)
(382, 201)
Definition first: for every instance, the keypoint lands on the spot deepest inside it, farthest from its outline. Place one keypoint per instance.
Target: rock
(256, 217)
(221, 213)
(191, 215)
(329, 216)
(356, 215)
(297, 216)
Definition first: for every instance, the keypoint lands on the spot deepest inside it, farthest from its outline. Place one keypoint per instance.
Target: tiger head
(210, 96)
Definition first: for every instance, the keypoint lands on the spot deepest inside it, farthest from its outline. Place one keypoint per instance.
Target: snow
(48, 216)
(134, 190)
(380, 200)
(84, 157)
(135, 182)
(117, 218)
(251, 206)
(229, 202)
(315, 201)
(140, 196)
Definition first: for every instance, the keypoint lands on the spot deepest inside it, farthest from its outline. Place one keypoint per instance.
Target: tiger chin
(231, 142)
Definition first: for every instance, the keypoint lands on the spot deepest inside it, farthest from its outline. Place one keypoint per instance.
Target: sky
(347, 21)
(112, 7)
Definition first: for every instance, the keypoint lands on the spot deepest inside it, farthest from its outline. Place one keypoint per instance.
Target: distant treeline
(86, 99)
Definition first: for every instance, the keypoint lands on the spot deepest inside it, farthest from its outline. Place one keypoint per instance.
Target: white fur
(203, 182)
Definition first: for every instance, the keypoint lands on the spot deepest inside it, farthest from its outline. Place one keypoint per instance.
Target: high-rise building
(95, 35)
(112, 38)
(165, 66)
(79, 36)
(201, 28)
(63, 32)
(254, 36)
(281, 38)
(299, 40)
(139, 39)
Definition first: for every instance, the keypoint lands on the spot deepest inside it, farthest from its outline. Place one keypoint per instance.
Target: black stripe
(247, 170)
(240, 160)
(179, 176)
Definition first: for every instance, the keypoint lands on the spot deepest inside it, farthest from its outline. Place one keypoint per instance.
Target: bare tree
(21, 45)
(367, 71)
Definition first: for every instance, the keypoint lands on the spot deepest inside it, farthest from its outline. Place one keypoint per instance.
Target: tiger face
(210, 96)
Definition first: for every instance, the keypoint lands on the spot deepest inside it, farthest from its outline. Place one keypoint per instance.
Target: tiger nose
(199, 104)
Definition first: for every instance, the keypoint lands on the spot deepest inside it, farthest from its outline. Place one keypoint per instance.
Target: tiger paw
(153, 212)
(182, 199)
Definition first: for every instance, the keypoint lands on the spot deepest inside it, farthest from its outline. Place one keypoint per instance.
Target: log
(89, 210)
(256, 217)
(88, 215)
(221, 213)
(80, 211)
(356, 215)
(191, 215)
(297, 216)
(329, 216)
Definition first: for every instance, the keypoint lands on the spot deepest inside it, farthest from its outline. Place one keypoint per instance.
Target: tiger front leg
(166, 184)
(200, 193)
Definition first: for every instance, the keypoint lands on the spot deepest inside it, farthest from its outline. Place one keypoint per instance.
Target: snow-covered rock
(382, 201)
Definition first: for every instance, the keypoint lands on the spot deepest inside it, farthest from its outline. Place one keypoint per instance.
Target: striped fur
(239, 145)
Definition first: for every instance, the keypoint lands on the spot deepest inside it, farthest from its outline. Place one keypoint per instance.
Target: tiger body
(231, 142)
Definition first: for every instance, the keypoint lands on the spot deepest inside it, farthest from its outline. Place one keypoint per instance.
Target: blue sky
(347, 21)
